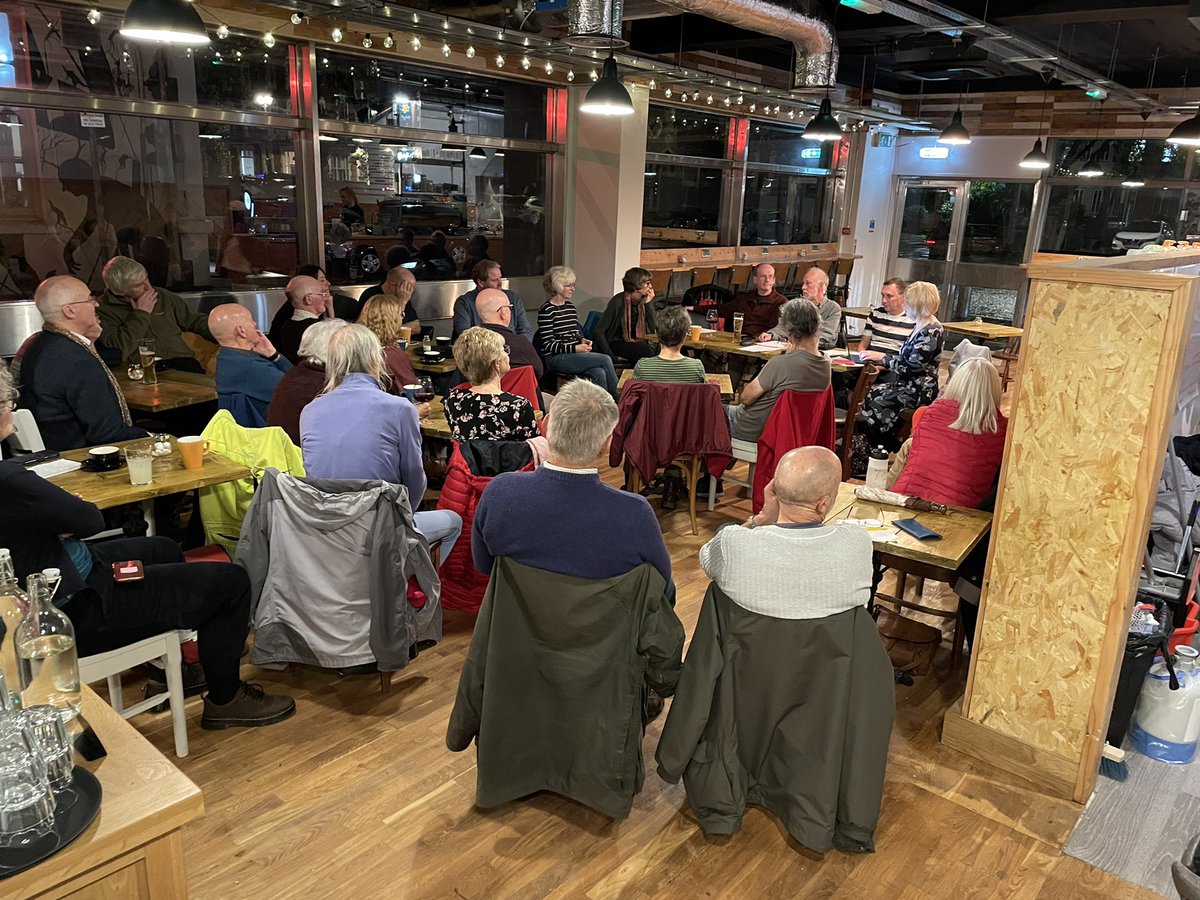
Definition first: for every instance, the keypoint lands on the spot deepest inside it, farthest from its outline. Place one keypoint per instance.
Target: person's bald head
(67, 303)
(232, 326)
(400, 282)
(808, 477)
(307, 293)
(494, 307)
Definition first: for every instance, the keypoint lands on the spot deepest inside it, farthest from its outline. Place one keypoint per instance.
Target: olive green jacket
(124, 326)
(553, 686)
(793, 715)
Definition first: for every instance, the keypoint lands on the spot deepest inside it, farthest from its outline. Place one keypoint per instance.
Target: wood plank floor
(357, 796)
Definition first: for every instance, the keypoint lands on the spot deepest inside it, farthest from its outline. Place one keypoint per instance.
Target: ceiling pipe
(816, 47)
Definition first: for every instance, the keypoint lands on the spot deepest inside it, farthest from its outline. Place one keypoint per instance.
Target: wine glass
(425, 393)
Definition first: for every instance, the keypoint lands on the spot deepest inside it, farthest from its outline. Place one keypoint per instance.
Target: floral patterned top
(915, 384)
(489, 417)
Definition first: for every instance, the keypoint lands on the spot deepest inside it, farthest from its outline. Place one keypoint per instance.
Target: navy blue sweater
(566, 523)
(70, 396)
(245, 383)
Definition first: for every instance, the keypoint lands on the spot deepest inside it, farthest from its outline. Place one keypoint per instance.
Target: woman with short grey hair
(357, 430)
(560, 338)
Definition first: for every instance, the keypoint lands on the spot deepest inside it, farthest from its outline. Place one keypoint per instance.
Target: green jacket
(553, 685)
(124, 326)
(793, 715)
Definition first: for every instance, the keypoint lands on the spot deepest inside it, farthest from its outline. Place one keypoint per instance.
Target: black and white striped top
(558, 328)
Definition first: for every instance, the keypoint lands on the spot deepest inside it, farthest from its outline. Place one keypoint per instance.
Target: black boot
(672, 487)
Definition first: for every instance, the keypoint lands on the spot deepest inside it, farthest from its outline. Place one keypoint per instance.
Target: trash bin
(1140, 650)
(1186, 872)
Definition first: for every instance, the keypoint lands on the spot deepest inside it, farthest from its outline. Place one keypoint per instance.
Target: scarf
(638, 332)
(91, 348)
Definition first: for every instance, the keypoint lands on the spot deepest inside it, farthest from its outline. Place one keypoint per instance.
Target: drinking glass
(426, 392)
(140, 458)
(26, 801)
(50, 737)
(146, 356)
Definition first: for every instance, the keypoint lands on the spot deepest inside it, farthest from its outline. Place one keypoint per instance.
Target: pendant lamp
(169, 21)
(451, 146)
(823, 127)
(1091, 168)
(1187, 132)
(1035, 158)
(477, 153)
(608, 97)
(956, 132)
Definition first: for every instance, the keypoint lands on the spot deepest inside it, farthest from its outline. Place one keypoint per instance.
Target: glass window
(783, 146)
(391, 92)
(1108, 221)
(997, 223)
(460, 205)
(683, 132)
(1154, 160)
(51, 48)
(925, 224)
(783, 209)
(677, 203)
(79, 188)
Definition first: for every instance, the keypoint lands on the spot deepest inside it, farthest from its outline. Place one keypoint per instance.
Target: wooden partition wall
(1091, 414)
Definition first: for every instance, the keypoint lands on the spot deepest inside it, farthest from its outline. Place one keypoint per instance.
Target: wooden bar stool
(703, 276)
(723, 277)
(678, 285)
(660, 279)
(741, 277)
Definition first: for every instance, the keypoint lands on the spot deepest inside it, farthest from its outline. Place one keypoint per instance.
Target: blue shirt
(467, 316)
(360, 431)
(245, 383)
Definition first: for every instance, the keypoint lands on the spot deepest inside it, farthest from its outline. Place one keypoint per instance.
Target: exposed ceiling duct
(594, 24)
(816, 59)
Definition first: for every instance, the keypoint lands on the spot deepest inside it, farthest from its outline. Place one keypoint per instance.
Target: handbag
(910, 645)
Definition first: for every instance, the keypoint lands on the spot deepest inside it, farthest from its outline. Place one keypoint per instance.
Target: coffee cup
(104, 457)
(192, 449)
(431, 356)
(443, 343)
(410, 392)
(695, 332)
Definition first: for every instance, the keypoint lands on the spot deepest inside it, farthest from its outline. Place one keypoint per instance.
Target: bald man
(400, 282)
(495, 311)
(785, 561)
(309, 299)
(248, 365)
(63, 382)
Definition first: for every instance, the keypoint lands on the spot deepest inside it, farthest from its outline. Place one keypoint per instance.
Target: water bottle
(877, 469)
(46, 656)
(13, 606)
(1166, 723)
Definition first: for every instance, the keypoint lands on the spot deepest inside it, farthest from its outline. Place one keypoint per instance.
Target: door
(967, 238)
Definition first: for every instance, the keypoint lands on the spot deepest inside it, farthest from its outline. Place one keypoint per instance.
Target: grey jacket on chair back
(553, 686)
(793, 715)
(329, 563)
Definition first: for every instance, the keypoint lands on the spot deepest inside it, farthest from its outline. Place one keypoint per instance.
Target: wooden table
(134, 848)
(857, 312)
(435, 425)
(174, 390)
(437, 368)
(109, 489)
(721, 380)
(961, 529)
(986, 331)
(722, 342)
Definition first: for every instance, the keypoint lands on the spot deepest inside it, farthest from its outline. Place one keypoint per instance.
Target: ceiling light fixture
(453, 146)
(168, 21)
(1035, 158)
(956, 132)
(608, 97)
(477, 153)
(823, 127)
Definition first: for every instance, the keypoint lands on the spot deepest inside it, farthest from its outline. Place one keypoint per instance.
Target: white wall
(985, 157)
(872, 222)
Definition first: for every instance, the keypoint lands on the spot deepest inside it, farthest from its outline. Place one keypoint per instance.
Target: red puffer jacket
(948, 466)
(472, 466)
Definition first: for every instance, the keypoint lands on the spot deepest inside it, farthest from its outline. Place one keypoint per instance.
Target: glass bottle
(46, 655)
(13, 606)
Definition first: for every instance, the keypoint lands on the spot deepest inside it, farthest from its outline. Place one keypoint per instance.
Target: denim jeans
(439, 524)
(595, 367)
(211, 598)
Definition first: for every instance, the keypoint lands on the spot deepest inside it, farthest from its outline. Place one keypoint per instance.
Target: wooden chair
(677, 286)
(1008, 356)
(847, 419)
(723, 277)
(661, 280)
(703, 276)
(784, 272)
(690, 463)
(900, 603)
(741, 277)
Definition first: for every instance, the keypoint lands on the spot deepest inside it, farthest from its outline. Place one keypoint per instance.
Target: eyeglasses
(504, 306)
(319, 294)
(91, 300)
(507, 350)
(568, 284)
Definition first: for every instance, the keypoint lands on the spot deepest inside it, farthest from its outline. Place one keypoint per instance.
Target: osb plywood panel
(1071, 495)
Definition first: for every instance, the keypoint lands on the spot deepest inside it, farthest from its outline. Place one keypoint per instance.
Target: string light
(269, 39)
(549, 67)
(389, 42)
(297, 18)
(525, 63)
(499, 60)
(367, 42)
(709, 100)
(753, 107)
(416, 19)
(470, 52)
(595, 76)
(445, 49)
(93, 16)
(570, 75)
(446, 24)
(336, 34)
(222, 32)
(726, 101)
(416, 41)
(652, 84)
(740, 99)
(667, 93)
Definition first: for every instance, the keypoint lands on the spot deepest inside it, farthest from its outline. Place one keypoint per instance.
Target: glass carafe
(46, 655)
(13, 606)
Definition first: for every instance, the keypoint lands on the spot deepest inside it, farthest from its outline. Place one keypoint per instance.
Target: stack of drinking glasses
(36, 766)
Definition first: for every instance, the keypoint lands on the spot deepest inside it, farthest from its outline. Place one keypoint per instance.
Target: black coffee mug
(104, 457)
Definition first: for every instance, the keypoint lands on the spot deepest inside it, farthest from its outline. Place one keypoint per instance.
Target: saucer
(88, 466)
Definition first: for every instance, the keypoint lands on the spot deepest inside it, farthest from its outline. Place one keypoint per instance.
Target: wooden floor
(357, 796)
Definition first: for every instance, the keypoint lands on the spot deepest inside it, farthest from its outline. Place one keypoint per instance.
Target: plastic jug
(1166, 723)
(877, 469)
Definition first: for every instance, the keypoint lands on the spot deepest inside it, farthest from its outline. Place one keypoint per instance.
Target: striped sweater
(558, 328)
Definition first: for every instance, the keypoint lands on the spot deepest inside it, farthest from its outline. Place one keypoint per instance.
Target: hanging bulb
(708, 100)
(696, 96)
(336, 34)
(446, 50)
(296, 18)
(570, 75)
(726, 101)
(791, 114)
(93, 16)
(389, 42)
(416, 19)
(667, 93)
(652, 84)
(269, 39)
(777, 108)
(222, 32)
(499, 60)
(470, 52)
(446, 24)
(753, 107)
(367, 42)
(740, 100)
(549, 67)
(525, 63)
(415, 43)
(956, 132)
(595, 76)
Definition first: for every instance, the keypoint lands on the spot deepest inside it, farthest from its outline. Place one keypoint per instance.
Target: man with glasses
(309, 299)
(63, 381)
(495, 312)
(131, 311)
(487, 276)
(400, 283)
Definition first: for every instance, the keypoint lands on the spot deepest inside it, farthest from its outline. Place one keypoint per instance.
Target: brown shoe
(250, 707)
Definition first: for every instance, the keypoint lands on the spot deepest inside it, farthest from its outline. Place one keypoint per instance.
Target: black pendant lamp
(823, 127)
(956, 132)
(168, 21)
(452, 146)
(1035, 158)
(608, 97)
(1187, 132)
(477, 153)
